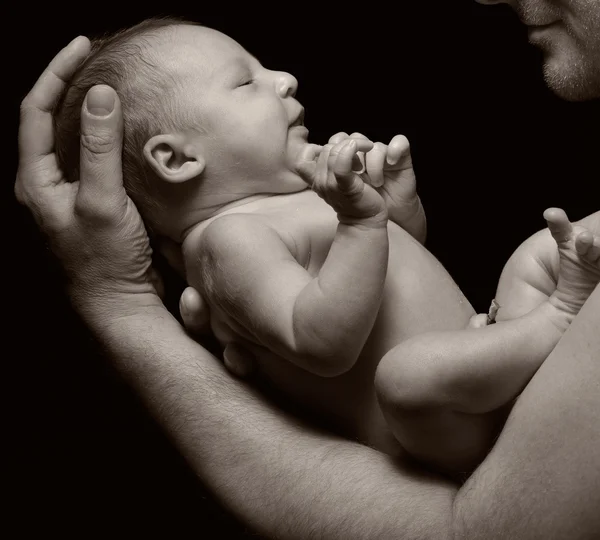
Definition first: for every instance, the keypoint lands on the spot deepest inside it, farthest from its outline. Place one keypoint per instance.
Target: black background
(492, 149)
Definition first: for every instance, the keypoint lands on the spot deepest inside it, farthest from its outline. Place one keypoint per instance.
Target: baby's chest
(308, 229)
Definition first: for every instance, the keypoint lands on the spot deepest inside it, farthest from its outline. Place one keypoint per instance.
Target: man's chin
(566, 70)
(569, 84)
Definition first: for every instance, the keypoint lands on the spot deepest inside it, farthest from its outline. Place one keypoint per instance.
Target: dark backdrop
(492, 149)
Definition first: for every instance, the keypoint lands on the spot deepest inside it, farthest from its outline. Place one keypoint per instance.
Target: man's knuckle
(98, 142)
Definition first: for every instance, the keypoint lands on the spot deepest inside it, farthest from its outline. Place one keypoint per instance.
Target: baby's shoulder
(238, 231)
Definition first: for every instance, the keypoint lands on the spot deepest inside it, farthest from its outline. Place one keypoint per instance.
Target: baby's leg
(424, 417)
(446, 395)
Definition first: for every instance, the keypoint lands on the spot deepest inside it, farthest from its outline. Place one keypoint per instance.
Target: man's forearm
(286, 480)
(542, 478)
(282, 478)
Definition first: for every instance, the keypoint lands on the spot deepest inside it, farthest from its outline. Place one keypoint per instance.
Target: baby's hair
(124, 61)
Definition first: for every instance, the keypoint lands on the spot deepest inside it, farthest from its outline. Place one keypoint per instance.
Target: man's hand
(195, 314)
(389, 169)
(92, 226)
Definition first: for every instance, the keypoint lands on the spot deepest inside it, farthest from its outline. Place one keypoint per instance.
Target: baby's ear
(174, 158)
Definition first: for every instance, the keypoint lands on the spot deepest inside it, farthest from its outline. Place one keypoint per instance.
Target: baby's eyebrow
(237, 63)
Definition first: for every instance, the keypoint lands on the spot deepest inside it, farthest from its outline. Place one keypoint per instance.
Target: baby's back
(419, 296)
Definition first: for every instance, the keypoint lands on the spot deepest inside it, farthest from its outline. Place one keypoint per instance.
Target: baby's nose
(287, 85)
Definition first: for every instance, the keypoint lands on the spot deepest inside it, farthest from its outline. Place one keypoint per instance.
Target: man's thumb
(101, 141)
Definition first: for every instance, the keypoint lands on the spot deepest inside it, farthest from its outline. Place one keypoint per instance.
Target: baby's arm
(443, 393)
(319, 323)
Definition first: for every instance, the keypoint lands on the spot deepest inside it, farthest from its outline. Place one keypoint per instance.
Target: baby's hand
(388, 168)
(332, 178)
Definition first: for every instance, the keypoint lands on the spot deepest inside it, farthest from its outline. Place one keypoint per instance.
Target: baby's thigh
(420, 295)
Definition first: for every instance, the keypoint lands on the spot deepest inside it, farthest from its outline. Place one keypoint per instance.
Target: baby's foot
(579, 271)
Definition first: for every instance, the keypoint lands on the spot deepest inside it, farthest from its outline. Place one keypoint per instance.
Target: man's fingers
(101, 174)
(238, 360)
(36, 136)
(194, 312)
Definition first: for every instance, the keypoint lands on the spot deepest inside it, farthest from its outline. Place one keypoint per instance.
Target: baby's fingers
(341, 166)
(307, 163)
(337, 138)
(399, 150)
(375, 163)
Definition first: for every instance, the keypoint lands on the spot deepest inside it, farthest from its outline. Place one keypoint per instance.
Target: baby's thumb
(101, 174)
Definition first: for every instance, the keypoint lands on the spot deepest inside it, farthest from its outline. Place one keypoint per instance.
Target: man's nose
(286, 84)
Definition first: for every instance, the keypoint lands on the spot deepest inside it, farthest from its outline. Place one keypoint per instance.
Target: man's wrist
(101, 308)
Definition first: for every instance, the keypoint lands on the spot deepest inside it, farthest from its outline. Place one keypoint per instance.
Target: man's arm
(281, 477)
(319, 323)
(287, 480)
(277, 475)
(542, 478)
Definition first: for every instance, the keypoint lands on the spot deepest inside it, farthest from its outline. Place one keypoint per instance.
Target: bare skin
(528, 486)
(446, 395)
(273, 267)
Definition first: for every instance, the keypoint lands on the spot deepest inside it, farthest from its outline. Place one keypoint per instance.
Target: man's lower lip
(537, 30)
(300, 129)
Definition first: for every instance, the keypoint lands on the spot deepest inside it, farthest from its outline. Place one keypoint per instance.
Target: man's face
(568, 33)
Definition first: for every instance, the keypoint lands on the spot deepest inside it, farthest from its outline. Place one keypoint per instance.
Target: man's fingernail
(74, 40)
(100, 101)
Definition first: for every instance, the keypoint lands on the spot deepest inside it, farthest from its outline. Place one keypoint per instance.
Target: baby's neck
(201, 220)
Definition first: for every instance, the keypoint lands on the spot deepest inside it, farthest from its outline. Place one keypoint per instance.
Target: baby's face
(253, 125)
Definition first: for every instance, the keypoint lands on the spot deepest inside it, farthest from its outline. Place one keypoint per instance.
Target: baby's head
(205, 125)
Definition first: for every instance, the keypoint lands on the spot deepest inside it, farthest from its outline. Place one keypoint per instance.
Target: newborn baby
(315, 253)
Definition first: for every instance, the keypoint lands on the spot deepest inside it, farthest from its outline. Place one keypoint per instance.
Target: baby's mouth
(299, 121)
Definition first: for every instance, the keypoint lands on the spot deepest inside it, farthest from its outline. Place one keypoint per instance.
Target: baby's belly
(419, 296)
